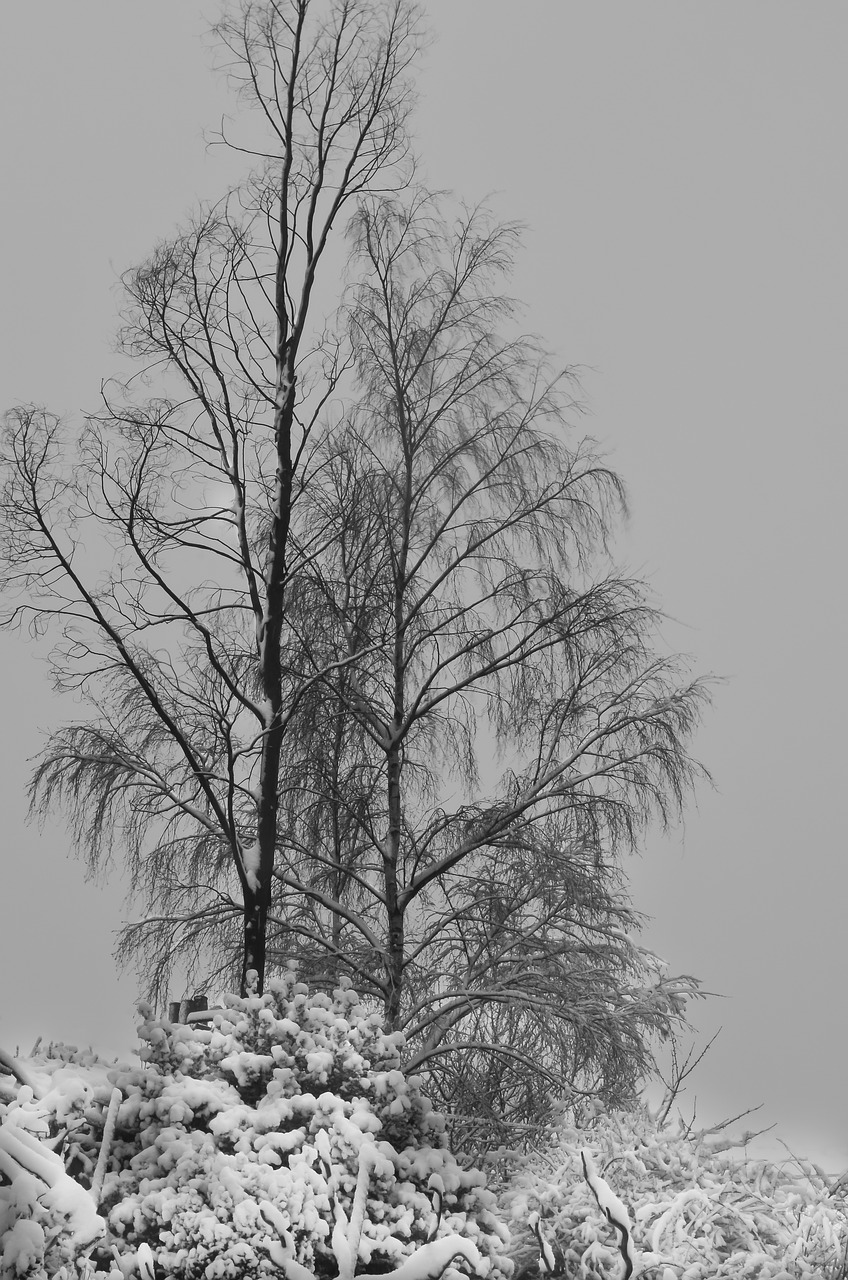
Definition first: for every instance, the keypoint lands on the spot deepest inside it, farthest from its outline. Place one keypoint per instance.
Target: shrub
(236, 1150)
(698, 1211)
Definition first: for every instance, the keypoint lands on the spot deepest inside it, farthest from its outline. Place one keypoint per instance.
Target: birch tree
(470, 610)
(154, 538)
(362, 686)
(483, 721)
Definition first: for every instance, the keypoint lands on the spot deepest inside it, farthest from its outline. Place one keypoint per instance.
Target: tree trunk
(257, 895)
(255, 930)
(391, 853)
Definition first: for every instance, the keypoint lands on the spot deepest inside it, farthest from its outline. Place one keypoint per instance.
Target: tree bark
(257, 896)
(394, 912)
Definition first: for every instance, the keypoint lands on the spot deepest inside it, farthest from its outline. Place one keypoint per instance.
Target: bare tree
(155, 539)
(467, 605)
(309, 589)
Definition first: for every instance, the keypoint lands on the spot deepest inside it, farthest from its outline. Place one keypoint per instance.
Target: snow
(683, 1198)
(14, 1068)
(250, 861)
(436, 1186)
(23, 1247)
(608, 1201)
(547, 1259)
(145, 1262)
(105, 1145)
(226, 1153)
(21, 1150)
(319, 1063)
(695, 1212)
(432, 1260)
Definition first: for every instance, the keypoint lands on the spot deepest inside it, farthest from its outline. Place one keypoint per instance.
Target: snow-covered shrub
(698, 1210)
(47, 1219)
(236, 1150)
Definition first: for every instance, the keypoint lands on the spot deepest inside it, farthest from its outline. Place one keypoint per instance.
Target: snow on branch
(105, 1145)
(613, 1210)
(10, 1066)
(428, 1262)
(22, 1152)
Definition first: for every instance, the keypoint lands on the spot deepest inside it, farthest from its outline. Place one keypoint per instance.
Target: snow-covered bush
(698, 1210)
(47, 1218)
(237, 1151)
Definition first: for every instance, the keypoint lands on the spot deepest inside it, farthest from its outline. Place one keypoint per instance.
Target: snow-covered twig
(282, 1252)
(340, 1237)
(726, 1144)
(145, 1260)
(613, 1210)
(14, 1068)
(436, 1185)
(370, 1159)
(105, 1145)
(683, 1198)
(429, 1261)
(550, 1258)
(20, 1151)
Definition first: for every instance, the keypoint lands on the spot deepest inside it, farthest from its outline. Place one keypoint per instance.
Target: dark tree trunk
(257, 895)
(255, 931)
(391, 855)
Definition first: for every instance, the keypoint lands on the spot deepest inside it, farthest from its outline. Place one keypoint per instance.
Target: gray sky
(680, 168)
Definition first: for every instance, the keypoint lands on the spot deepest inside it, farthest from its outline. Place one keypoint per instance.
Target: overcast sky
(680, 168)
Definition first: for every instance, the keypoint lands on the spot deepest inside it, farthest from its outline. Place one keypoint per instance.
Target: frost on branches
(692, 1209)
(283, 1141)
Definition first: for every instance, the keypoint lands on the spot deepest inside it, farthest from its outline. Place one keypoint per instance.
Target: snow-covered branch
(613, 1210)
